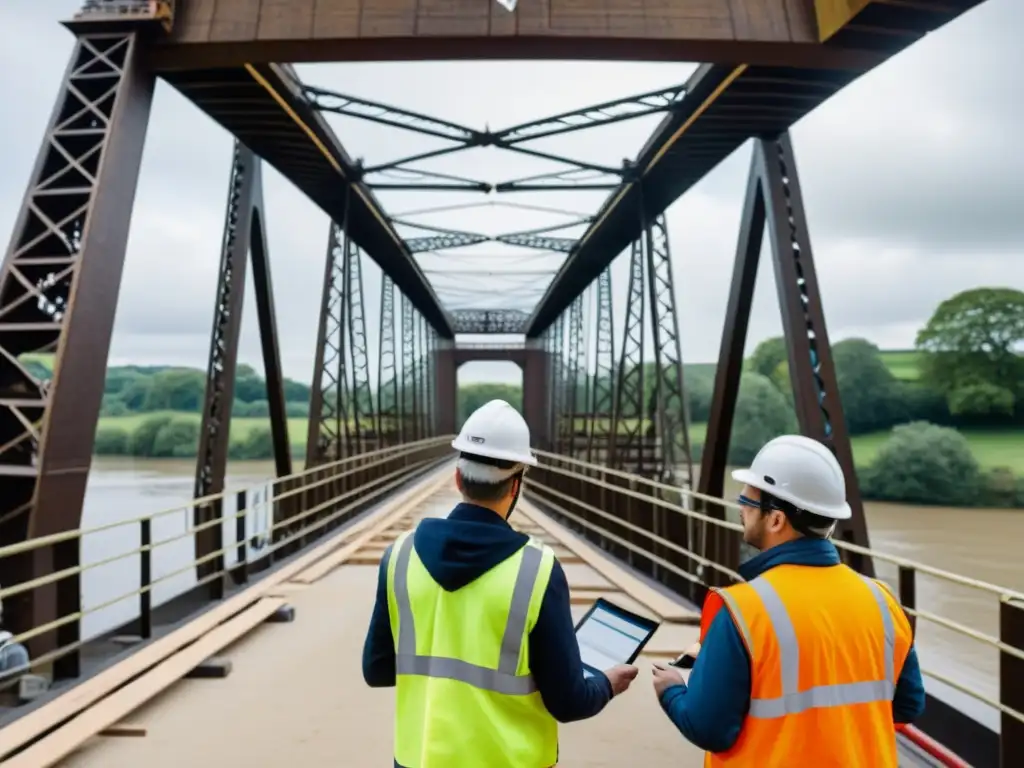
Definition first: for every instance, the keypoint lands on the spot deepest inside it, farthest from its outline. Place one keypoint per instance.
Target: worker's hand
(620, 677)
(665, 677)
(693, 650)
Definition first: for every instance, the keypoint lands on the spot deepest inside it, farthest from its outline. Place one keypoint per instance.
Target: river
(980, 543)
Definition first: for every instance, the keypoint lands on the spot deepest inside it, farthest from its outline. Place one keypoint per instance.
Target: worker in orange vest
(811, 664)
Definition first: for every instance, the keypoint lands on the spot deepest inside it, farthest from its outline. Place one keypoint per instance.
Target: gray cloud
(912, 187)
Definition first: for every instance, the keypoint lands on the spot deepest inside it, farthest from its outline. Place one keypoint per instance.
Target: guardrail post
(241, 571)
(217, 567)
(145, 578)
(908, 592)
(1011, 691)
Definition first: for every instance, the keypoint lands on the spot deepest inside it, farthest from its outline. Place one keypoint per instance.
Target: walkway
(296, 697)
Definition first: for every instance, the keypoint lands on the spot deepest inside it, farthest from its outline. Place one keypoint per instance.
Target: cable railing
(638, 519)
(302, 507)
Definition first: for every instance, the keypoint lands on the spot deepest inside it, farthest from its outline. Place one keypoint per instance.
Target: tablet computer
(609, 635)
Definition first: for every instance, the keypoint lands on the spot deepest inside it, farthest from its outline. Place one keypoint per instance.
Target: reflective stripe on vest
(501, 680)
(793, 700)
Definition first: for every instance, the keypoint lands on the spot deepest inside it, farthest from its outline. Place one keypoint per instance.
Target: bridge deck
(296, 695)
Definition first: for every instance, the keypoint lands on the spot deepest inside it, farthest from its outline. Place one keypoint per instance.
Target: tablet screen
(609, 635)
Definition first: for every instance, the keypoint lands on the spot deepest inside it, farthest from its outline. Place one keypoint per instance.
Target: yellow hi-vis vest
(464, 694)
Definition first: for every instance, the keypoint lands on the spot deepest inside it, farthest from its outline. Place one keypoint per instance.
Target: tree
(762, 413)
(974, 339)
(472, 396)
(867, 388)
(768, 356)
(922, 463)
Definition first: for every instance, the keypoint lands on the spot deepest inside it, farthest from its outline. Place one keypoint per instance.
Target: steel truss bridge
(610, 419)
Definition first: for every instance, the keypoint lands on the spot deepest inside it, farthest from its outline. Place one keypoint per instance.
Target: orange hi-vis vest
(826, 648)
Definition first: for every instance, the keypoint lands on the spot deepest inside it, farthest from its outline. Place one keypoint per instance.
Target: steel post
(58, 294)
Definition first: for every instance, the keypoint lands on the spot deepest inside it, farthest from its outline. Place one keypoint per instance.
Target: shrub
(257, 444)
(923, 463)
(112, 441)
(178, 439)
(144, 436)
(762, 412)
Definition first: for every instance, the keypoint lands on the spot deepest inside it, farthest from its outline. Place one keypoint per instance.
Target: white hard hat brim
(833, 512)
(464, 446)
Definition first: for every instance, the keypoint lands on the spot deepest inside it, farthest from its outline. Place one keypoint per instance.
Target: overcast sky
(913, 180)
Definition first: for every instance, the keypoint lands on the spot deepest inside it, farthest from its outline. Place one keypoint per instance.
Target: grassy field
(993, 448)
(902, 363)
(240, 427)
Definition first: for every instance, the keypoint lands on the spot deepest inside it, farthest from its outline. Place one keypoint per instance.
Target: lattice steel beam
(774, 197)
(387, 373)
(328, 417)
(540, 242)
(244, 233)
(627, 423)
(570, 180)
(603, 390)
(504, 321)
(576, 366)
(58, 294)
(409, 400)
(606, 113)
(362, 408)
(670, 404)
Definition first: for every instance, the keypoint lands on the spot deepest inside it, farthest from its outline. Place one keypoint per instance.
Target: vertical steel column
(811, 371)
(421, 367)
(263, 288)
(408, 410)
(327, 417)
(723, 545)
(359, 358)
(212, 458)
(629, 396)
(432, 383)
(67, 251)
(387, 375)
(603, 391)
(576, 353)
(557, 376)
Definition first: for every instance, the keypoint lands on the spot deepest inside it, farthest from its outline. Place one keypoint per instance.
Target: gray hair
(487, 474)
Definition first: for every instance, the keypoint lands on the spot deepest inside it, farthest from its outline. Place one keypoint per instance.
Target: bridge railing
(296, 509)
(659, 529)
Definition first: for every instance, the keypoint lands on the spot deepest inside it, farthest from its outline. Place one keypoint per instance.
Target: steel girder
(408, 418)
(504, 321)
(387, 370)
(244, 234)
(66, 252)
(774, 198)
(603, 388)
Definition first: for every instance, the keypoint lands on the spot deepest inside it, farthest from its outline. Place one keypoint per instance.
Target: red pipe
(933, 748)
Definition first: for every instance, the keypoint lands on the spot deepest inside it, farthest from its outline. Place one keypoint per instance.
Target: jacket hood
(459, 549)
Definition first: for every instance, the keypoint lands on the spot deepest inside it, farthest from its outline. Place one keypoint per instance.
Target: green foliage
(762, 412)
(472, 396)
(768, 356)
(981, 399)
(144, 436)
(112, 441)
(177, 439)
(256, 444)
(869, 392)
(924, 463)
(1001, 488)
(973, 339)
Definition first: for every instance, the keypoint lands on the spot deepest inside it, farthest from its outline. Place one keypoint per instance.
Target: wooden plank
(66, 739)
(320, 569)
(125, 729)
(39, 721)
(286, 19)
(662, 606)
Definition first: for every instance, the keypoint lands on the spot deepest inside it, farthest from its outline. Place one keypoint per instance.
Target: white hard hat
(496, 430)
(801, 471)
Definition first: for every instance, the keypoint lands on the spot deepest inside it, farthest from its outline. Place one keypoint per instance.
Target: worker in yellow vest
(810, 663)
(472, 623)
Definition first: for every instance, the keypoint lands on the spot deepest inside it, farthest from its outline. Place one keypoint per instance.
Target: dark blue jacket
(456, 551)
(710, 709)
